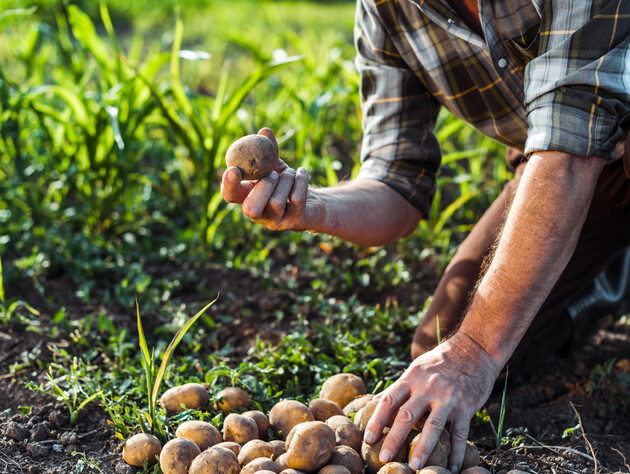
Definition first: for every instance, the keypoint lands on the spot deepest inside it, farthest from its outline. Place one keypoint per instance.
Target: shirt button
(502, 63)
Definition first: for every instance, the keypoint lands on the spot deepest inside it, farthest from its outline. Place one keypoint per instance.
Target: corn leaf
(171, 347)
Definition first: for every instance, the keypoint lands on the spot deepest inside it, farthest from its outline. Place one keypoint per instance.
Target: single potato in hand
(254, 155)
(141, 447)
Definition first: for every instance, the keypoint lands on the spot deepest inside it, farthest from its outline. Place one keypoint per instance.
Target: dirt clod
(17, 431)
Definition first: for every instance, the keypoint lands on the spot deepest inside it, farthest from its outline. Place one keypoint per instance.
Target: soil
(540, 405)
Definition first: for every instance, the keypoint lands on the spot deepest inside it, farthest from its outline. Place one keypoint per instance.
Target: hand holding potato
(451, 382)
(280, 200)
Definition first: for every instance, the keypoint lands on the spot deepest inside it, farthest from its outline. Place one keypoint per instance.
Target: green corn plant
(150, 421)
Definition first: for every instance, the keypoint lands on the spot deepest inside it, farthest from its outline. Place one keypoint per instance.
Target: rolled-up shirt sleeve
(577, 90)
(399, 147)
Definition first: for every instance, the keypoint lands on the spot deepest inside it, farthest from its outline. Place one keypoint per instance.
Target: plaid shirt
(544, 78)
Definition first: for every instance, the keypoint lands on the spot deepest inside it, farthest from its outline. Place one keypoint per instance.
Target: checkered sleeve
(399, 147)
(577, 91)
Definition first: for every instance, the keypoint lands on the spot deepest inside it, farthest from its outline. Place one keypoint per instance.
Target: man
(548, 78)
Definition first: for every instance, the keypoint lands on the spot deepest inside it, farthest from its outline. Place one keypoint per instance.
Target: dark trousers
(605, 233)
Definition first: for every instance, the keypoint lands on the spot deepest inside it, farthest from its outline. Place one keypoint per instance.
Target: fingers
(299, 191)
(408, 414)
(254, 205)
(277, 205)
(233, 189)
(389, 402)
(431, 431)
(459, 435)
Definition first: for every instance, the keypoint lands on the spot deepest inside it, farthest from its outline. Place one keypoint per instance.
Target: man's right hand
(281, 200)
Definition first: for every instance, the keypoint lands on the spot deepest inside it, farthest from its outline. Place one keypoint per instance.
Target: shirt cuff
(573, 122)
(417, 187)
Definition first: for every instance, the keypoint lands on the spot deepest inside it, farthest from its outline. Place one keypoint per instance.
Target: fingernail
(301, 170)
(454, 469)
(414, 464)
(369, 437)
(385, 456)
(232, 176)
(274, 174)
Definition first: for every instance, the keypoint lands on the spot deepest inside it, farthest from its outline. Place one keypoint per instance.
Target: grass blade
(171, 347)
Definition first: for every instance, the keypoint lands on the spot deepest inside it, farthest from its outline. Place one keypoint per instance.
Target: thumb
(267, 132)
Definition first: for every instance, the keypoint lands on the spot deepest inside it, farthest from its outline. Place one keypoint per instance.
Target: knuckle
(459, 435)
(436, 423)
(276, 205)
(387, 399)
(406, 415)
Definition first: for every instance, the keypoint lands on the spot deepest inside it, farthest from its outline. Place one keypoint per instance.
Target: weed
(150, 420)
(68, 388)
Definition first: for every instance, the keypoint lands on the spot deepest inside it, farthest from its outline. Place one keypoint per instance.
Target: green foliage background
(114, 121)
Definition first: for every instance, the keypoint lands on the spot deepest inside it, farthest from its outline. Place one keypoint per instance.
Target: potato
(282, 461)
(342, 389)
(215, 460)
(177, 455)
(285, 414)
(203, 434)
(239, 428)
(333, 469)
(191, 395)
(260, 464)
(141, 447)
(395, 468)
(291, 471)
(364, 415)
(370, 453)
(266, 471)
(471, 456)
(311, 447)
(254, 155)
(261, 421)
(253, 449)
(230, 398)
(323, 409)
(279, 447)
(357, 418)
(356, 404)
(347, 457)
(346, 432)
(231, 445)
(434, 470)
(441, 451)
(475, 470)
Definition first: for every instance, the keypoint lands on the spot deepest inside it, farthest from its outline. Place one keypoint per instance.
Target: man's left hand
(450, 383)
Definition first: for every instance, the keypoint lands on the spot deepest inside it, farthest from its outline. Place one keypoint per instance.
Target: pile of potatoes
(319, 438)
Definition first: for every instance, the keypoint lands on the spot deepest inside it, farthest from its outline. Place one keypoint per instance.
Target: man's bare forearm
(538, 239)
(365, 212)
